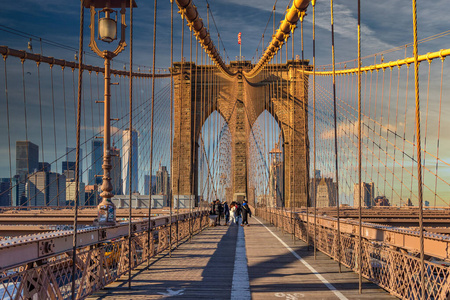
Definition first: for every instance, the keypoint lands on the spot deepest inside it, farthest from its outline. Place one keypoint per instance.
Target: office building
(116, 171)
(92, 195)
(367, 191)
(130, 143)
(46, 189)
(326, 192)
(5, 191)
(44, 166)
(96, 170)
(27, 158)
(162, 181)
(71, 192)
(18, 192)
(68, 169)
(147, 184)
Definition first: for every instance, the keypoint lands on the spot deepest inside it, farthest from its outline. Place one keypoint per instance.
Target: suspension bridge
(118, 136)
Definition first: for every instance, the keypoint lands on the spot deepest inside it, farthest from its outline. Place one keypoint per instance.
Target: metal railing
(97, 264)
(392, 268)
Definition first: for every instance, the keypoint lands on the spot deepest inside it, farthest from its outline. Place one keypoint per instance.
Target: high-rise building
(326, 192)
(56, 189)
(5, 191)
(45, 167)
(96, 162)
(18, 192)
(71, 192)
(367, 191)
(46, 189)
(116, 171)
(68, 169)
(162, 181)
(27, 158)
(68, 166)
(276, 185)
(92, 196)
(147, 184)
(130, 142)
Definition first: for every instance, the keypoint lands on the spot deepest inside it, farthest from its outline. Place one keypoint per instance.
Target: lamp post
(107, 32)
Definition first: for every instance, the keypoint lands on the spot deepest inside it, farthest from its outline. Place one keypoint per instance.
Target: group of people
(232, 213)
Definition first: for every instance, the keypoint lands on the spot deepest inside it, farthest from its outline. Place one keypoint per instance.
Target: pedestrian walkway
(234, 262)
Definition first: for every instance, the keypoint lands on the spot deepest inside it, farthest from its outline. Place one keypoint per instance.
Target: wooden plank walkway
(205, 269)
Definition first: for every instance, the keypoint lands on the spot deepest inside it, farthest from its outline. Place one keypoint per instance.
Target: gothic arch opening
(266, 161)
(214, 159)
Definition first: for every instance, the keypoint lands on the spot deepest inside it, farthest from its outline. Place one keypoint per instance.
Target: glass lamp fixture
(107, 27)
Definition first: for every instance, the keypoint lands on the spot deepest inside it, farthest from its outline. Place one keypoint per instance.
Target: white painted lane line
(240, 288)
(318, 275)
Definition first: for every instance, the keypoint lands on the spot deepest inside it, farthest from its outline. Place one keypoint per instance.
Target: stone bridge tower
(240, 101)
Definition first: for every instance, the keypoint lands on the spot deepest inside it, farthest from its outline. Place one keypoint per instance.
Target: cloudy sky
(385, 25)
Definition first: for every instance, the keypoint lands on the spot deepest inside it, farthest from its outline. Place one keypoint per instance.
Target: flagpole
(240, 47)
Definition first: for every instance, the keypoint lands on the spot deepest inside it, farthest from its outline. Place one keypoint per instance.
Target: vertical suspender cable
(9, 134)
(335, 138)
(305, 106)
(359, 151)
(171, 121)
(151, 132)
(181, 105)
(419, 150)
(130, 256)
(292, 45)
(193, 144)
(77, 162)
(313, 2)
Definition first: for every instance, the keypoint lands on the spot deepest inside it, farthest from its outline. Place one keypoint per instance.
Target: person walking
(233, 213)
(246, 212)
(219, 211)
(226, 212)
(238, 212)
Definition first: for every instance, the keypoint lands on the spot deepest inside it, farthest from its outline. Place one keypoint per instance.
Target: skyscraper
(18, 197)
(46, 189)
(68, 169)
(130, 141)
(116, 171)
(27, 158)
(71, 192)
(147, 185)
(96, 162)
(326, 192)
(45, 166)
(367, 194)
(162, 181)
(5, 191)
(68, 166)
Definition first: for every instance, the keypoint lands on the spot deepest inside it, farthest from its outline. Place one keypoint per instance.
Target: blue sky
(385, 25)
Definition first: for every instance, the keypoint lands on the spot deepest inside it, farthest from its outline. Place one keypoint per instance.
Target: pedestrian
(226, 212)
(233, 213)
(246, 212)
(238, 212)
(219, 210)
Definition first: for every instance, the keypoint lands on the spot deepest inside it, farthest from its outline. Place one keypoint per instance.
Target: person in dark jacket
(226, 211)
(246, 212)
(219, 210)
